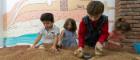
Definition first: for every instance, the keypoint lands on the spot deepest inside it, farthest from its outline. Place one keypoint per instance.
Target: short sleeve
(57, 31)
(41, 31)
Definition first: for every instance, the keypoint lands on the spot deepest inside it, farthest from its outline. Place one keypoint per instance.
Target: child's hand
(33, 46)
(99, 46)
(116, 43)
(53, 48)
(79, 52)
(80, 49)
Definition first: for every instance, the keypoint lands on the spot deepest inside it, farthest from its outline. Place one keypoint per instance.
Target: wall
(22, 16)
(130, 10)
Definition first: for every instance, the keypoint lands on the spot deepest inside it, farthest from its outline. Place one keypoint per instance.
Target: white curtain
(2, 10)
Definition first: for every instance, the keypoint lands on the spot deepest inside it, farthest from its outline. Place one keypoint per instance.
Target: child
(93, 29)
(118, 34)
(115, 38)
(49, 34)
(68, 35)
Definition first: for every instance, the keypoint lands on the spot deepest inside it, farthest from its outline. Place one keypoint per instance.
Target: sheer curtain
(2, 10)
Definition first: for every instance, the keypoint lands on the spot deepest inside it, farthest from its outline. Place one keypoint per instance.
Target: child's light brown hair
(95, 8)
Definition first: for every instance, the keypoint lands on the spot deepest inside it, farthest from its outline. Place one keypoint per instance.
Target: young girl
(118, 34)
(68, 35)
(115, 38)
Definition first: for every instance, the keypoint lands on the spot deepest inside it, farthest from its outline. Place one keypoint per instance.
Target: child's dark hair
(73, 23)
(95, 8)
(120, 19)
(47, 17)
(123, 26)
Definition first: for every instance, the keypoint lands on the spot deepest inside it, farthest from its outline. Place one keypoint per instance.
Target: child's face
(69, 26)
(123, 20)
(94, 18)
(119, 32)
(48, 24)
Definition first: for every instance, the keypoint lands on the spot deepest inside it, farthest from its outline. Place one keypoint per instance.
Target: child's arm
(123, 37)
(61, 36)
(55, 43)
(37, 40)
(115, 43)
(76, 35)
(56, 40)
